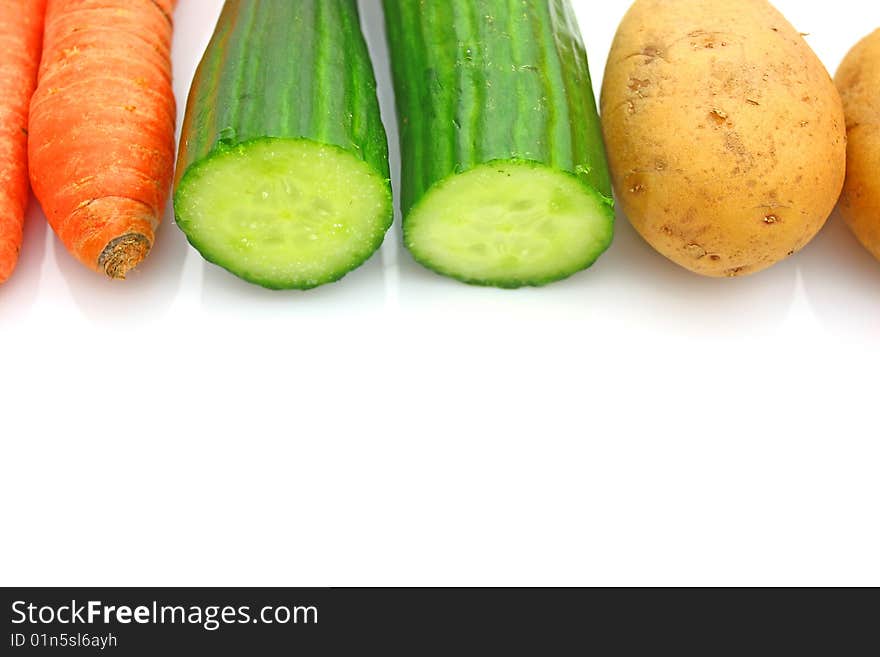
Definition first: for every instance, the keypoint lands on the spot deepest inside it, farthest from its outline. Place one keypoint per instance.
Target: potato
(858, 80)
(725, 133)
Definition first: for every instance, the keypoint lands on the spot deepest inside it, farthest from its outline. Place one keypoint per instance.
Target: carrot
(102, 127)
(21, 33)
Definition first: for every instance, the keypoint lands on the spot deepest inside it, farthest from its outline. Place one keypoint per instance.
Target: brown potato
(725, 133)
(858, 80)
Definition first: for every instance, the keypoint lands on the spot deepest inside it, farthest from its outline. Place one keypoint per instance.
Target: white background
(634, 425)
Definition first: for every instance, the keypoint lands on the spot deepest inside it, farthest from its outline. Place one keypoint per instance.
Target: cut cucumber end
(284, 213)
(510, 225)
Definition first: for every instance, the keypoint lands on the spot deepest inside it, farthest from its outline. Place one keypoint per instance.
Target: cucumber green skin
(479, 81)
(284, 69)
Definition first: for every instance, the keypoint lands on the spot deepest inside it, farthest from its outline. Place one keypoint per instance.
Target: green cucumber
(504, 176)
(283, 174)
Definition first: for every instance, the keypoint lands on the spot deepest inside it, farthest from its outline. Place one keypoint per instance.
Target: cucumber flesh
(284, 213)
(510, 224)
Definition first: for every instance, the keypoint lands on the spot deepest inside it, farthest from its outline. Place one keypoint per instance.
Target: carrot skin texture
(21, 36)
(102, 128)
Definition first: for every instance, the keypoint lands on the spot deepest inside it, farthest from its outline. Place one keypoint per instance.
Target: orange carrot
(21, 33)
(102, 127)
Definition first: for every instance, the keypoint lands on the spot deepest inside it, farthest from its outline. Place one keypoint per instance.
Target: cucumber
(504, 176)
(283, 175)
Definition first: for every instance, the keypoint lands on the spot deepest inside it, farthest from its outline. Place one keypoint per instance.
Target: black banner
(417, 621)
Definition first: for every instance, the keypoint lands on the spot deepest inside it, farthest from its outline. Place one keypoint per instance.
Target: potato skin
(725, 133)
(858, 80)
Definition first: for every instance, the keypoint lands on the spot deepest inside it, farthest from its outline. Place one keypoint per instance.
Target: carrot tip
(124, 254)
(9, 249)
